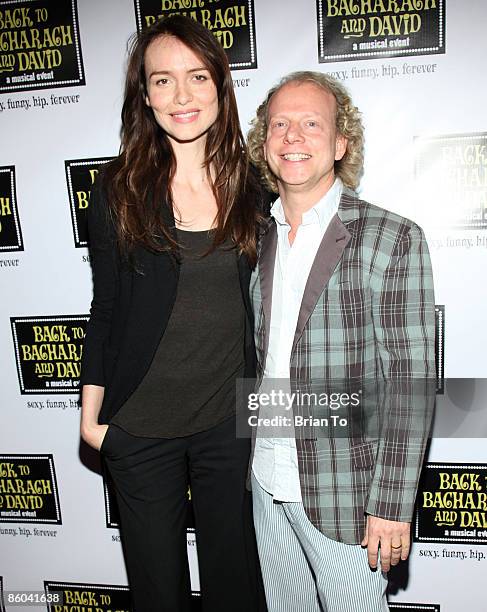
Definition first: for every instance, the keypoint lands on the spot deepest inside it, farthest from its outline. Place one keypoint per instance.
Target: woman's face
(180, 90)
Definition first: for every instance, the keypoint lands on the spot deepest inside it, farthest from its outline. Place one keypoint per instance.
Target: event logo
(39, 44)
(440, 348)
(413, 607)
(48, 352)
(451, 505)
(10, 232)
(80, 176)
(451, 176)
(231, 21)
(366, 29)
(99, 597)
(28, 489)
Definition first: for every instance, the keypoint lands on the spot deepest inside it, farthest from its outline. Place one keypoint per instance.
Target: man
(343, 291)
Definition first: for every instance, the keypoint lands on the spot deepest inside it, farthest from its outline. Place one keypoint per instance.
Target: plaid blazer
(367, 314)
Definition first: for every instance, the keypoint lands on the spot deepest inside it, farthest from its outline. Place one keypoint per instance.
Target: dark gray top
(190, 385)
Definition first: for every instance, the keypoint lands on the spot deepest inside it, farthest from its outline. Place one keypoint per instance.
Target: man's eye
(311, 123)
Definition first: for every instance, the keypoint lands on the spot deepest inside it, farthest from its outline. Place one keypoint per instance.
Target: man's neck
(295, 201)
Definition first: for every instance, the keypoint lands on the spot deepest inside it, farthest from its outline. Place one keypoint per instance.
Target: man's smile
(294, 157)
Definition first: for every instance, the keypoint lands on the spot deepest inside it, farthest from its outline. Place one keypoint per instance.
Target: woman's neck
(195, 206)
(190, 170)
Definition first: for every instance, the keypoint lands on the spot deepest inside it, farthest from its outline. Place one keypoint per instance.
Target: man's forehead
(301, 97)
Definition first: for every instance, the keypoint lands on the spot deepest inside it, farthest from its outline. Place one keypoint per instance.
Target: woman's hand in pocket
(94, 435)
(91, 432)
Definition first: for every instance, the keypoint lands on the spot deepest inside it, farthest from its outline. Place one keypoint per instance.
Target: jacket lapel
(335, 239)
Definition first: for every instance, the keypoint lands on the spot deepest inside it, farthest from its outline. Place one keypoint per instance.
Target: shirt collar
(320, 213)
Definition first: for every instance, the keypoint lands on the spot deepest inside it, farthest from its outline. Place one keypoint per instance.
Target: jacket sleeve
(105, 268)
(403, 311)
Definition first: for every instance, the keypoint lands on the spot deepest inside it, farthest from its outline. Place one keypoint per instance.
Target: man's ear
(340, 146)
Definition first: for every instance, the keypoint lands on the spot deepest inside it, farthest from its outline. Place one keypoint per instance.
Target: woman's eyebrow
(157, 72)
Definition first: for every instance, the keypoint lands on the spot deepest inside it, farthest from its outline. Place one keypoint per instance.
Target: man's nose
(293, 134)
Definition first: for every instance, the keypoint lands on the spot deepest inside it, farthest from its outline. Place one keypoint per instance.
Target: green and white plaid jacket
(368, 313)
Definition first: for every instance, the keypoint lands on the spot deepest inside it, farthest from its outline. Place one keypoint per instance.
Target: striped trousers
(303, 570)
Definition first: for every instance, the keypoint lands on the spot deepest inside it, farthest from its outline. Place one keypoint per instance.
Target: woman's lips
(186, 116)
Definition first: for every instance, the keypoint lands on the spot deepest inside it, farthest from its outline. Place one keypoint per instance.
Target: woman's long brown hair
(138, 181)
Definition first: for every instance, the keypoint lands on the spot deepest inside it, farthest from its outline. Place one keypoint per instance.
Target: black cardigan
(131, 307)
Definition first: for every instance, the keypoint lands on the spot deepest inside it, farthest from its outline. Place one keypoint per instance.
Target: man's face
(302, 141)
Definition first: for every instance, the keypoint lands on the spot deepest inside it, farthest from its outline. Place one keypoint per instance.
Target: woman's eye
(311, 124)
(161, 82)
(200, 77)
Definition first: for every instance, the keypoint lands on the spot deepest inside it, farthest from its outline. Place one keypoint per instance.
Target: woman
(172, 226)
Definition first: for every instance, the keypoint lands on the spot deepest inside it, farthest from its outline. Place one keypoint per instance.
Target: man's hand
(393, 537)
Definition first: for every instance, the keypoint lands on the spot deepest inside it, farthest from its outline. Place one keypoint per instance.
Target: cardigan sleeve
(104, 260)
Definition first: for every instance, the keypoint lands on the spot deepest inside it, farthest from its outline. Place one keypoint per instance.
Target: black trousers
(151, 477)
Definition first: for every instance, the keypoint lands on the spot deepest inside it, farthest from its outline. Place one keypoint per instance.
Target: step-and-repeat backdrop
(416, 70)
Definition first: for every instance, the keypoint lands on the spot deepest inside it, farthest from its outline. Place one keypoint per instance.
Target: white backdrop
(52, 278)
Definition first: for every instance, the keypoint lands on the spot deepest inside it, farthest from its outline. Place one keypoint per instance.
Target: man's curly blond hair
(348, 123)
